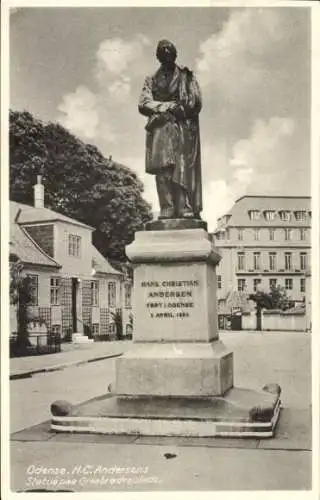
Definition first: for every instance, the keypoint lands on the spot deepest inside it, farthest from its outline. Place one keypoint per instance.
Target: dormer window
(254, 214)
(285, 215)
(300, 215)
(270, 214)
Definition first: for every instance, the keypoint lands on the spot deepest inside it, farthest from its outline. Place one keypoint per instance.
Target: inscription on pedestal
(175, 302)
(170, 299)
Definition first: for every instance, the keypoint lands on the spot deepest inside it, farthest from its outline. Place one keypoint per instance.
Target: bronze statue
(171, 100)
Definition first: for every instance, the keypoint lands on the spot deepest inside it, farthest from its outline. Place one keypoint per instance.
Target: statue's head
(166, 52)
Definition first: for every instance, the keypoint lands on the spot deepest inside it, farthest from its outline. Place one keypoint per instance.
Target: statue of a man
(171, 100)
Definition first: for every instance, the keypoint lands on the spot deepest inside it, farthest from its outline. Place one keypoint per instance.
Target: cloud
(79, 112)
(248, 42)
(94, 114)
(115, 55)
(116, 60)
(137, 164)
(259, 161)
(247, 70)
(120, 89)
(217, 200)
(257, 165)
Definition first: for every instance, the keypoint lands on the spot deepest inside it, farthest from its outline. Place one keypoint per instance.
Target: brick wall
(43, 235)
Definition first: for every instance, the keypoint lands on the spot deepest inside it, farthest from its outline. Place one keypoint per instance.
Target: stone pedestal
(176, 348)
(178, 377)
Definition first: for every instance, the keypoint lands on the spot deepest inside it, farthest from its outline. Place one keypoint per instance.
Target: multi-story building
(73, 287)
(264, 241)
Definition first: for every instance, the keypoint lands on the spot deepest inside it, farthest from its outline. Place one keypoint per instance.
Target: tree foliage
(276, 299)
(20, 297)
(79, 182)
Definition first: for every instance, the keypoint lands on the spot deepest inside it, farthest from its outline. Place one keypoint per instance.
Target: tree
(276, 299)
(79, 182)
(20, 296)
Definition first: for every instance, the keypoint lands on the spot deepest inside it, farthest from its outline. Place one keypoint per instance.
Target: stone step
(79, 338)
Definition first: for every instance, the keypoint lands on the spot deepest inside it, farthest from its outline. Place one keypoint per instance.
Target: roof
(239, 216)
(31, 214)
(100, 264)
(29, 252)
(24, 246)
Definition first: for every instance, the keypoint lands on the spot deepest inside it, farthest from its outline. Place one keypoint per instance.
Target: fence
(42, 343)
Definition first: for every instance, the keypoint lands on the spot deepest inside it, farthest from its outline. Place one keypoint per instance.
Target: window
(95, 329)
(94, 293)
(288, 261)
(112, 294)
(227, 234)
(33, 287)
(302, 285)
(241, 261)
(74, 245)
(300, 215)
(288, 283)
(219, 281)
(270, 214)
(256, 283)
(272, 283)
(271, 234)
(240, 234)
(127, 295)
(288, 234)
(302, 233)
(256, 260)
(241, 285)
(256, 234)
(272, 261)
(254, 214)
(285, 215)
(303, 261)
(54, 291)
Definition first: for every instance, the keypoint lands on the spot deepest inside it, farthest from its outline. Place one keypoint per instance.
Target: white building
(74, 288)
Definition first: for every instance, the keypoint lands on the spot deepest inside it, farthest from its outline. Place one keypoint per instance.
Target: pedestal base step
(240, 413)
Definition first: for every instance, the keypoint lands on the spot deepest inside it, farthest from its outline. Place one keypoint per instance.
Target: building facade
(264, 241)
(73, 287)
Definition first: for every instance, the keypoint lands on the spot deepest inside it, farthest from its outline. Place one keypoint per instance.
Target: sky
(85, 67)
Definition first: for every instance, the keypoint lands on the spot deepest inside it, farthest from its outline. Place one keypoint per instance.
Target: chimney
(39, 193)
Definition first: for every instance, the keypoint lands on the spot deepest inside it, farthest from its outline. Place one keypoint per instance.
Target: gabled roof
(24, 246)
(32, 215)
(101, 265)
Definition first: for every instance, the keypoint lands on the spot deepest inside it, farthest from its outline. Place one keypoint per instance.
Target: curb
(62, 366)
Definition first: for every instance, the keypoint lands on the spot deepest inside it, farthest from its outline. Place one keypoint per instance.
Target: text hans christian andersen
(170, 299)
